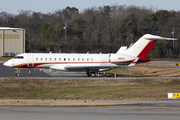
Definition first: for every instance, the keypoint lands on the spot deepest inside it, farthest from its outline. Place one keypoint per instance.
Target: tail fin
(142, 47)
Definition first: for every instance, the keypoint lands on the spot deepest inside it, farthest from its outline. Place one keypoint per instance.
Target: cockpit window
(18, 57)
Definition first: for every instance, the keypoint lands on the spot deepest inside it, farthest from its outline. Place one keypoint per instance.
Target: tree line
(97, 29)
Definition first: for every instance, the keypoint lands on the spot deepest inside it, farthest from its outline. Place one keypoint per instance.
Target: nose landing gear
(17, 72)
(50, 71)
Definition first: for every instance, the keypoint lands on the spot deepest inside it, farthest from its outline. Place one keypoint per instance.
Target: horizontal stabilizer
(154, 37)
(134, 62)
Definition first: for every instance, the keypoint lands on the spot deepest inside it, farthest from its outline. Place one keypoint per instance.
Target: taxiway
(151, 110)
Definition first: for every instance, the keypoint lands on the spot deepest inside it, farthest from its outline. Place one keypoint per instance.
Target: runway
(152, 110)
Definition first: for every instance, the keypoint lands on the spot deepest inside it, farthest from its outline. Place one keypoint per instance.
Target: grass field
(73, 89)
(5, 58)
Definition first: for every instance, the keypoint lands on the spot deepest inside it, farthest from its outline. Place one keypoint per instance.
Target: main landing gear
(91, 74)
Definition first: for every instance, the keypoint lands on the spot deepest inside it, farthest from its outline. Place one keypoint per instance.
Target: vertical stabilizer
(142, 47)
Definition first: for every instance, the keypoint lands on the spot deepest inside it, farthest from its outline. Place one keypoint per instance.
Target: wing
(84, 67)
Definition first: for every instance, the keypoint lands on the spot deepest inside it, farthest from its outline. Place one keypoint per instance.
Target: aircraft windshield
(18, 57)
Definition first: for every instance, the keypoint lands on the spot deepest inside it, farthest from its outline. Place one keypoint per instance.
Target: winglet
(134, 62)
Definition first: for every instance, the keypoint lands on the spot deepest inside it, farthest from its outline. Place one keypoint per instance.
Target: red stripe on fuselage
(146, 49)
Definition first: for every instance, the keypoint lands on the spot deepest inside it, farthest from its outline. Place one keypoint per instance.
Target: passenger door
(30, 61)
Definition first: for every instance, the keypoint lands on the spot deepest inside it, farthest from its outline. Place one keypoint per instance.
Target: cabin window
(41, 59)
(78, 59)
(36, 59)
(64, 59)
(82, 59)
(87, 59)
(91, 59)
(73, 59)
(50, 59)
(46, 59)
(68, 59)
(59, 59)
(54, 59)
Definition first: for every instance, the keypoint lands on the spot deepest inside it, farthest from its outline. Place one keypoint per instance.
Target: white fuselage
(60, 61)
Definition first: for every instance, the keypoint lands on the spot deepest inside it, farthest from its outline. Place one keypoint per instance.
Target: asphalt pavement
(151, 110)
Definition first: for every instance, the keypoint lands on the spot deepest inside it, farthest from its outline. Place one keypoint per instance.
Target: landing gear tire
(17, 74)
(93, 74)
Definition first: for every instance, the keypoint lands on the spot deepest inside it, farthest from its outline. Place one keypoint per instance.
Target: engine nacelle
(119, 59)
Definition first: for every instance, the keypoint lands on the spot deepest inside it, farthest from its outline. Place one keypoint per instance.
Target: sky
(50, 6)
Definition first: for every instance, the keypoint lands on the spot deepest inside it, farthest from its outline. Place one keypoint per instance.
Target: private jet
(90, 63)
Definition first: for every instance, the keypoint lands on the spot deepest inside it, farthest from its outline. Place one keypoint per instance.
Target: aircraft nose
(7, 64)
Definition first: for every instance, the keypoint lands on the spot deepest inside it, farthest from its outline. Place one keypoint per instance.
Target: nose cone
(8, 64)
